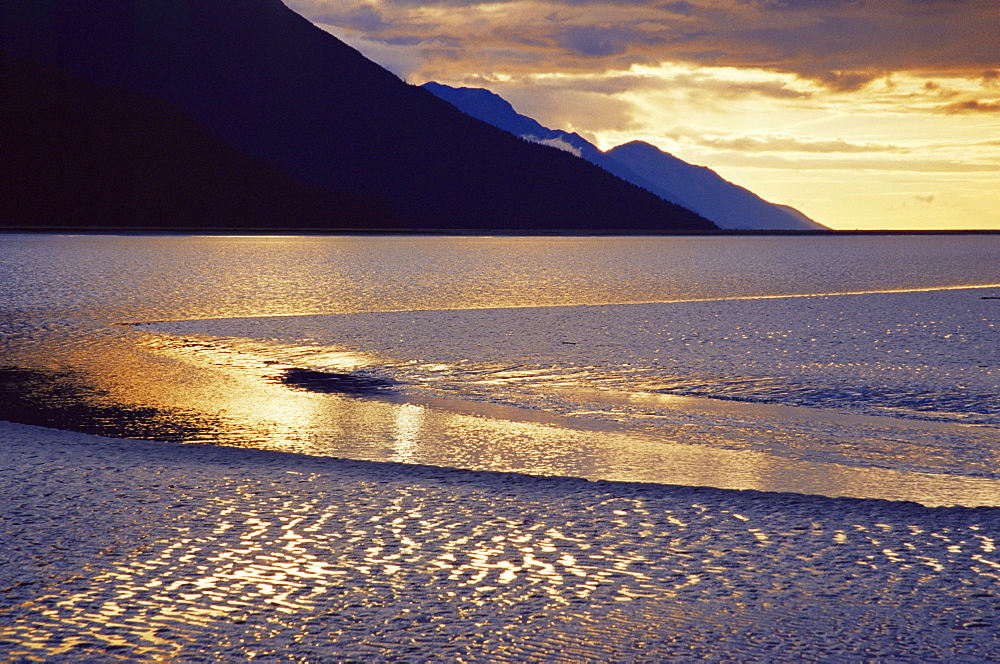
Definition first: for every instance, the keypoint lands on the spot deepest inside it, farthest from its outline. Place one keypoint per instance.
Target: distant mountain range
(697, 188)
(242, 114)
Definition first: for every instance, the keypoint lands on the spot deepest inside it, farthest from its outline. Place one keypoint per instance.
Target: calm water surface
(861, 366)
(115, 278)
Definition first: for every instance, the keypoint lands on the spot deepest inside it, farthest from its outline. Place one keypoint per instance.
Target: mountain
(275, 88)
(695, 187)
(497, 111)
(703, 190)
(134, 161)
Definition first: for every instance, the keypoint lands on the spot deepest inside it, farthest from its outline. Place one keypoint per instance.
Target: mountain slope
(695, 187)
(706, 192)
(268, 82)
(78, 154)
(497, 111)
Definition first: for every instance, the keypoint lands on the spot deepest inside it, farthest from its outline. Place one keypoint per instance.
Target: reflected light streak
(485, 436)
(354, 359)
(409, 425)
(931, 289)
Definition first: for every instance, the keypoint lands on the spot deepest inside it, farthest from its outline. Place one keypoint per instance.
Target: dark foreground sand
(134, 550)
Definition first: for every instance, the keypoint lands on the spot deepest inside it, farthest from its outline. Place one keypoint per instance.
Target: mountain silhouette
(266, 82)
(703, 190)
(82, 155)
(697, 188)
(497, 111)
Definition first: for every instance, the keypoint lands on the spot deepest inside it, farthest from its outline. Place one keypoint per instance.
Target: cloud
(566, 107)
(682, 8)
(797, 163)
(365, 18)
(403, 61)
(775, 143)
(731, 89)
(971, 106)
(556, 142)
(840, 44)
(592, 41)
(844, 81)
(916, 201)
(779, 91)
(788, 144)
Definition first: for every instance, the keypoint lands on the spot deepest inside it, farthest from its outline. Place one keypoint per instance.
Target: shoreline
(485, 232)
(444, 433)
(123, 549)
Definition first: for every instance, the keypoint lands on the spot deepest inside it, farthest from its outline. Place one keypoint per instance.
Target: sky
(863, 114)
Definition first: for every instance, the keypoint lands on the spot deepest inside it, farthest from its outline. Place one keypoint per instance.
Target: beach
(498, 449)
(136, 550)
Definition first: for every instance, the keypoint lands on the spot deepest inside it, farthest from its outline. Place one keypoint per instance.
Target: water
(857, 366)
(353, 390)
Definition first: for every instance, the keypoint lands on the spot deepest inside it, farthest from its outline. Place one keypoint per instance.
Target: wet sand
(134, 550)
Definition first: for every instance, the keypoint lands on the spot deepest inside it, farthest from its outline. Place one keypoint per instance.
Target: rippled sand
(133, 550)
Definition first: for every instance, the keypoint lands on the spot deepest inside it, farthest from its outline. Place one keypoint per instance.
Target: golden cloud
(841, 44)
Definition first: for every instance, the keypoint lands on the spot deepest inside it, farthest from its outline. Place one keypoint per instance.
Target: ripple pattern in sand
(135, 551)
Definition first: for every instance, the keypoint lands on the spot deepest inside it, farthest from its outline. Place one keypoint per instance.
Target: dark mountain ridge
(267, 82)
(136, 162)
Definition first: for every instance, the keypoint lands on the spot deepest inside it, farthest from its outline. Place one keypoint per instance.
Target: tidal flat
(499, 449)
(125, 550)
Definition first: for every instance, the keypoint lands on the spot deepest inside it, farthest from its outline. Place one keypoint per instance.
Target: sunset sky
(861, 113)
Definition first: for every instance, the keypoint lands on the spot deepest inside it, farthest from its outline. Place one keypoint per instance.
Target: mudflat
(115, 549)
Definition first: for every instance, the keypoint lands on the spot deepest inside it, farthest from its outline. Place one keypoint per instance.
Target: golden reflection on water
(409, 426)
(700, 442)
